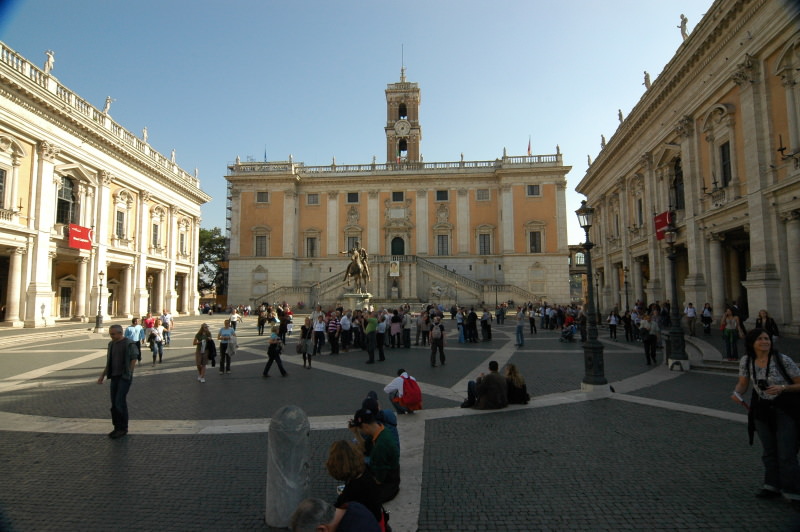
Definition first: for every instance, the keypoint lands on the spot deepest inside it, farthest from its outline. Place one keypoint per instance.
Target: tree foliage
(212, 250)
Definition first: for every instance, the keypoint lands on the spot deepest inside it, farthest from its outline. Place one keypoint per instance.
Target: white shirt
(397, 384)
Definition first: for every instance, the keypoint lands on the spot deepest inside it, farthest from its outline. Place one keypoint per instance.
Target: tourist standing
(120, 361)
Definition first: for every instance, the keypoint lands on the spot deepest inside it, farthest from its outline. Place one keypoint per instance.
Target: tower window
(352, 197)
(534, 190)
(442, 195)
(262, 197)
(725, 163)
(312, 199)
(397, 196)
(402, 113)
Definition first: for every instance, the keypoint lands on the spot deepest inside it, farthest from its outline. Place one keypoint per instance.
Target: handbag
(300, 348)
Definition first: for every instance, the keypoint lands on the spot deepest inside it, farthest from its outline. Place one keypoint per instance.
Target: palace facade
(92, 219)
(715, 140)
(465, 231)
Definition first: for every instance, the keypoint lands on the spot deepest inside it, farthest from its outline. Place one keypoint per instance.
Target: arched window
(402, 112)
(398, 246)
(67, 207)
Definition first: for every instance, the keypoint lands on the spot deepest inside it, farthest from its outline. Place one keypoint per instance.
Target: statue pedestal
(357, 301)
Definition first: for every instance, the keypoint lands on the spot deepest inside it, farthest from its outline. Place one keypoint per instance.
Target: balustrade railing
(14, 61)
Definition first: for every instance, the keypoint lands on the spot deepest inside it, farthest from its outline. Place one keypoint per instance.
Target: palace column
(290, 248)
(333, 236)
(717, 273)
(127, 291)
(14, 288)
(464, 226)
(39, 294)
(83, 282)
(16, 161)
(172, 252)
(638, 293)
(187, 294)
(193, 296)
(141, 295)
(373, 227)
(102, 227)
(793, 264)
(422, 223)
(507, 211)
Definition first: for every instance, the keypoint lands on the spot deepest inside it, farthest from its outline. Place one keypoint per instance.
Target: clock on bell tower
(403, 132)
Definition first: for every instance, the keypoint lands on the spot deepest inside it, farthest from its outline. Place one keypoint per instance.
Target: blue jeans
(119, 403)
(400, 409)
(779, 456)
(520, 334)
(157, 347)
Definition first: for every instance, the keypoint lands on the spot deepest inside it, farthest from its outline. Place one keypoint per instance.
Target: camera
(762, 384)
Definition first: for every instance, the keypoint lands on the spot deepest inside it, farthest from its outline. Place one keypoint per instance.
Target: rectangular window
(533, 190)
(261, 246)
(120, 228)
(262, 197)
(725, 163)
(482, 194)
(484, 244)
(352, 197)
(351, 242)
(397, 196)
(155, 236)
(442, 195)
(3, 191)
(640, 211)
(312, 199)
(311, 247)
(535, 241)
(442, 245)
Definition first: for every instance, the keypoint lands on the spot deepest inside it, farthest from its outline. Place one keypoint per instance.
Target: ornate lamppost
(677, 345)
(625, 272)
(596, 284)
(150, 294)
(592, 349)
(98, 321)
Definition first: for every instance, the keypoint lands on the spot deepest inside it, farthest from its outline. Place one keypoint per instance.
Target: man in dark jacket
(487, 392)
(120, 361)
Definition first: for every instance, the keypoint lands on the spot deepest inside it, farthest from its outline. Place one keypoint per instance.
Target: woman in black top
(346, 464)
(517, 390)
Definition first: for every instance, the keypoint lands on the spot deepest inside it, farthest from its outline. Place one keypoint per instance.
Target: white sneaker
(198, 379)
(202, 379)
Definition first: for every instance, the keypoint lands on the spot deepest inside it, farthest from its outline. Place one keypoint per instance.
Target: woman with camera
(774, 413)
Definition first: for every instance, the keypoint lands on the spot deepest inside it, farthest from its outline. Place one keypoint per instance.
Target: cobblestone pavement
(667, 451)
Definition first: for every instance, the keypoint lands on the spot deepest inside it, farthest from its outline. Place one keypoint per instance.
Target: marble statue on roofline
(684, 31)
(50, 62)
(646, 79)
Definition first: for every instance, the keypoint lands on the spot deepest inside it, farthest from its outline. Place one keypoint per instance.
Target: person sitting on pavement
(316, 515)
(346, 464)
(384, 454)
(395, 391)
(387, 417)
(487, 392)
(517, 390)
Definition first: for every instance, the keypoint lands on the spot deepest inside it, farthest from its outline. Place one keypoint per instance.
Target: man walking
(120, 361)
(135, 333)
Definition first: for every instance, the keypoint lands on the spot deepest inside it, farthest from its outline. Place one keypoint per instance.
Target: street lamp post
(677, 345)
(596, 284)
(149, 293)
(98, 321)
(625, 272)
(456, 294)
(592, 349)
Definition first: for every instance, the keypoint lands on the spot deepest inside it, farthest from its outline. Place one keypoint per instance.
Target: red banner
(80, 237)
(662, 221)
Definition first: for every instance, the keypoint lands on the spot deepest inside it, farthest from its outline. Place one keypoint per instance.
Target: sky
(216, 80)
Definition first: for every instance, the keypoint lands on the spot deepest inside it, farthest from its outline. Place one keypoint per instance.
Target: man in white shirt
(691, 317)
(346, 326)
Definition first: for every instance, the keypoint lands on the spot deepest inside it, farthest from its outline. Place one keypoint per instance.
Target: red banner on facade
(80, 237)
(662, 221)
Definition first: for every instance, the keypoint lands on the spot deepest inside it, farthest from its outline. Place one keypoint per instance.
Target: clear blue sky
(214, 80)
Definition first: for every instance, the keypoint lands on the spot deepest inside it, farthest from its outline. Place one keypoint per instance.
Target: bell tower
(403, 132)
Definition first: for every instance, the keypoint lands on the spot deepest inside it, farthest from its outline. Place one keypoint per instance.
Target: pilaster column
(192, 295)
(83, 282)
(39, 295)
(14, 288)
(127, 291)
(172, 252)
(16, 161)
(464, 226)
(717, 273)
(333, 224)
(615, 288)
(507, 209)
(374, 225)
(102, 228)
(187, 295)
(793, 264)
(638, 293)
(422, 223)
(143, 216)
(290, 237)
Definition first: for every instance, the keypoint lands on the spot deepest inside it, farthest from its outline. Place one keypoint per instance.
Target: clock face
(402, 128)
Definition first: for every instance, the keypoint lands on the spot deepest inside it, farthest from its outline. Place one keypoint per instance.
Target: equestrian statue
(358, 268)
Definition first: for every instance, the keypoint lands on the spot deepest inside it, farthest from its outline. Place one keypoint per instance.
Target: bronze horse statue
(357, 271)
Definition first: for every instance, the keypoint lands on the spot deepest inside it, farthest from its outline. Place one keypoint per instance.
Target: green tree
(213, 249)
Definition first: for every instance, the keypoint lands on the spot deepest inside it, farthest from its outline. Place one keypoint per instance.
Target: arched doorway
(398, 246)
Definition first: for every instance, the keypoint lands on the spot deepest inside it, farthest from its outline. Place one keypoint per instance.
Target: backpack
(436, 331)
(412, 395)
